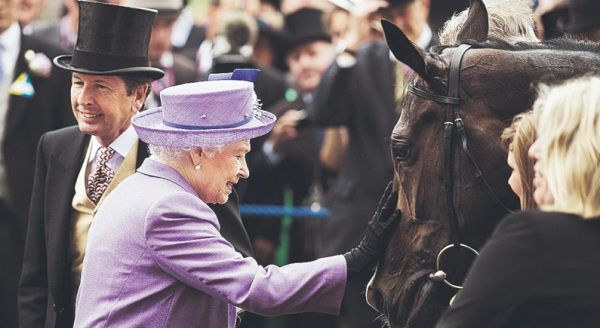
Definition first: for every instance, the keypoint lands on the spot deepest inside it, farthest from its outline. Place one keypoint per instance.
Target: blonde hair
(519, 136)
(569, 132)
(509, 20)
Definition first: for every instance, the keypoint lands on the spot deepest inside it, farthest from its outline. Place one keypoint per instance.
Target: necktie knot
(104, 155)
(101, 175)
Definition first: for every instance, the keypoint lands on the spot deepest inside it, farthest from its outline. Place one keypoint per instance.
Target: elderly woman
(155, 257)
(541, 269)
(519, 136)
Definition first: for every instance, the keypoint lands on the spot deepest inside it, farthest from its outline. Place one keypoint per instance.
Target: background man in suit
(358, 96)
(33, 100)
(62, 33)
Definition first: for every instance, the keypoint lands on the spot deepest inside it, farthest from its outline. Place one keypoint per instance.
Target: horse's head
(495, 84)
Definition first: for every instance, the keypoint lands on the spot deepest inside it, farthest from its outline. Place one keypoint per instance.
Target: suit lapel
(17, 106)
(62, 172)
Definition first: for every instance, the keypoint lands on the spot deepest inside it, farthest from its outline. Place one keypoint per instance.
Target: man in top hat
(358, 94)
(178, 68)
(77, 167)
(33, 100)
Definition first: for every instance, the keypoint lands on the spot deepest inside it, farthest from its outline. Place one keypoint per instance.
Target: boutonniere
(38, 65)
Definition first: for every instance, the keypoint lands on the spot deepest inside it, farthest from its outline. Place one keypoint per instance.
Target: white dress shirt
(10, 40)
(121, 145)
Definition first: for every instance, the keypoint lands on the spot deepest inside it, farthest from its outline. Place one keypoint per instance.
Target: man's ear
(141, 93)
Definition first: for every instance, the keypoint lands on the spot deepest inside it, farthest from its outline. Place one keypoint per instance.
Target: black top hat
(583, 16)
(112, 40)
(304, 25)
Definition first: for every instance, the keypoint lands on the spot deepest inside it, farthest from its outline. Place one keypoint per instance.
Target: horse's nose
(374, 297)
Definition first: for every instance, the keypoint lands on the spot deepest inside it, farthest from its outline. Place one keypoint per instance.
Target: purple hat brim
(151, 130)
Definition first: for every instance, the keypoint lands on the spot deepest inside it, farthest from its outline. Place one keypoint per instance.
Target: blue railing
(281, 211)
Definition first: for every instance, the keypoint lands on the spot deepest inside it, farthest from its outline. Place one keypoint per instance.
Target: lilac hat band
(204, 113)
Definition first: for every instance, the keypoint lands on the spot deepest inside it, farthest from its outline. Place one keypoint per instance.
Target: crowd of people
(132, 130)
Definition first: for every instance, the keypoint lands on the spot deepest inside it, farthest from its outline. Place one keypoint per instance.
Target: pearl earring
(198, 167)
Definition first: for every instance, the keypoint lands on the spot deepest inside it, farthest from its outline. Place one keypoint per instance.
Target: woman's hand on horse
(379, 229)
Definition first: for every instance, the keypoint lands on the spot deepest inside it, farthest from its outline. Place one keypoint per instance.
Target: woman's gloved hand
(379, 229)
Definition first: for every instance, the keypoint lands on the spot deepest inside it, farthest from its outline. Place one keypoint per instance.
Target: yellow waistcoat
(84, 209)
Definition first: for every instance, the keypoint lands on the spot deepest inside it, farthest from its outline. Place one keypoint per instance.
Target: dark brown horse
(496, 82)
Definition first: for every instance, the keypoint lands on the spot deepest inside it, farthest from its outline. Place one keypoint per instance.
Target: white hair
(173, 155)
(509, 20)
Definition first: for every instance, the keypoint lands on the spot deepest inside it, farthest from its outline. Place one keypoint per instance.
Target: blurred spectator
(213, 27)
(358, 94)
(232, 48)
(33, 100)
(178, 68)
(337, 21)
(290, 6)
(269, 47)
(62, 33)
(550, 16)
(584, 19)
(187, 35)
(29, 10)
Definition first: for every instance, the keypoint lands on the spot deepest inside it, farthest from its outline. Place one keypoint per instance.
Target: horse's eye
(400, 150)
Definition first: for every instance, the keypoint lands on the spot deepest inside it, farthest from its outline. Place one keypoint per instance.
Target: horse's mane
(561, 44)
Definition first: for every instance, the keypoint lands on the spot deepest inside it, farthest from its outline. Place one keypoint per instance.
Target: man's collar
(121, 145)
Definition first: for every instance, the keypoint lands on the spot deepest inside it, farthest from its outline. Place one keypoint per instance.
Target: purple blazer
(155, 258)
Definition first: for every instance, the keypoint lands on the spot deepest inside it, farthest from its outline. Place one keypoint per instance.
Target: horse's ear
(476, 26)
(404, 50)
(426, 66)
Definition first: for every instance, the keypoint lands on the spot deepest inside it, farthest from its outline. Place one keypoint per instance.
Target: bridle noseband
(453, 123)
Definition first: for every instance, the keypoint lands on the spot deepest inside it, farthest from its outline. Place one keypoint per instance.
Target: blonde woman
(541, 269)
(518, 137)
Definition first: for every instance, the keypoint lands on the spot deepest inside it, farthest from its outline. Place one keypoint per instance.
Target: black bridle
(454, 125)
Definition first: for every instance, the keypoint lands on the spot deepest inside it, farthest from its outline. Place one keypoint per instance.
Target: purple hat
(210, 113)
